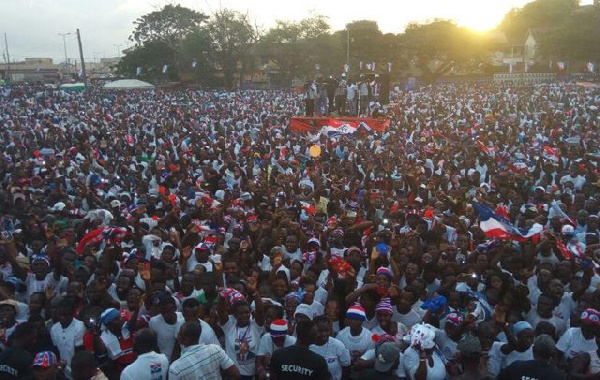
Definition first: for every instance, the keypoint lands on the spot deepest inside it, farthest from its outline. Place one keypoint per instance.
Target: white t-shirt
(241, 344)
(409, 319)
(151, 366)
(34, 285)
(166, 333)
(410, 364)
(560, 326)
(336, 355)
(67, 339)
(565, 307)
(498, 361)
(267, 347)
(572, 343)
(360, 343)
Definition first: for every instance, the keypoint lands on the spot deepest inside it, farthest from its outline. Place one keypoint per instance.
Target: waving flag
(495, 226)
(490, 150)
(590, 66)
(550, 153)
(110, 234)
(561, 66)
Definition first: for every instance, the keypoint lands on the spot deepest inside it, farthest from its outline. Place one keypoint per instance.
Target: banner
(337, 126)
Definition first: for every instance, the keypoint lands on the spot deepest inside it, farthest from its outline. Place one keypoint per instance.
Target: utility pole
(347, 45)
(83, 74)
(63, 35)
(7, 58)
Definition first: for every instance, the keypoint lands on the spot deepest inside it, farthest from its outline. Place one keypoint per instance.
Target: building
(31, 70)
(503, 51)
(532, 43)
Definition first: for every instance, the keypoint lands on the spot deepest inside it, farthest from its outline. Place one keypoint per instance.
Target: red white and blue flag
(550, 153)
(495, 226)
(490, 150)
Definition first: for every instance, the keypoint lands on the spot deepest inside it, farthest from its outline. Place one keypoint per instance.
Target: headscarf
(521, 326)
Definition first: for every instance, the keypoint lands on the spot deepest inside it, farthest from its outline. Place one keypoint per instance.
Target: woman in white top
(519, 347)
(242, 331)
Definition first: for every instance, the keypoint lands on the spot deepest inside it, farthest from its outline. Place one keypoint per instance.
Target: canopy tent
(72, 86)
(128, 84)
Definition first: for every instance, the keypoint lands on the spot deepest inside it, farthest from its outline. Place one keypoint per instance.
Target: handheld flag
(495, 226)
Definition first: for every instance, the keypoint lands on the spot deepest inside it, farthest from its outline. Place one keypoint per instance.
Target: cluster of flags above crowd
(561, 66)
(165, 69)
(369, 66)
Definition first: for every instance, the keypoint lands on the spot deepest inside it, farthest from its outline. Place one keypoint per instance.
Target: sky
(32, 26)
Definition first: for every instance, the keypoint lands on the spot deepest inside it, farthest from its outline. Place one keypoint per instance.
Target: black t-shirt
(15, 363)
(298, 363)
(371, 374)
(532, 370)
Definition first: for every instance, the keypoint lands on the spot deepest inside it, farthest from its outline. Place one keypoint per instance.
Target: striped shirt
(201, 361)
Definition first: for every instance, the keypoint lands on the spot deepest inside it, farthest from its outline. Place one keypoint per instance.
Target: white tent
(128, 84)
(72, 86)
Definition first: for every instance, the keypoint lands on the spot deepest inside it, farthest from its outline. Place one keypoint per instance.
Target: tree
(434, 48)
(150, 57)
(366, 42)
(297, 46)
(232, 36)
(537, 14)
(576, 40)
(170, 25)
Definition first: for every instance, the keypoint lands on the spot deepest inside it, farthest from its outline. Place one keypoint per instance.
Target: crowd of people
(193, 235)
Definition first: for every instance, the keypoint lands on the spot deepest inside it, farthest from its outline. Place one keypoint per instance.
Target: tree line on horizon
(175, 42)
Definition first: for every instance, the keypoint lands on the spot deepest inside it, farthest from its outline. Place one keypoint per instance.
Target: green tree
(171, 24)
(537, 14)
(575, 40)
(232, 35)
(297, 46)
(434, 48)
(151, 57)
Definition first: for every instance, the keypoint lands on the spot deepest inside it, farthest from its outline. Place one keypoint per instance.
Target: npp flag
(495, 226)
(590, 67)
(165, 69)
(138, 71)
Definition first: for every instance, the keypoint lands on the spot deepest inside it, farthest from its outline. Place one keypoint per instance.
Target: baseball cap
(115, 203)
(386, 356)
(45, 359)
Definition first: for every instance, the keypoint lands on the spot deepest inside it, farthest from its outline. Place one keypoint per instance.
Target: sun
(479, 21)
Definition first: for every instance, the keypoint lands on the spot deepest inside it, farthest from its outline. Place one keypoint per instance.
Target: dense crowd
(192, 235)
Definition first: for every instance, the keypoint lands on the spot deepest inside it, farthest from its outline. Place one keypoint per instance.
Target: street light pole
(63, 35)
(347, 45)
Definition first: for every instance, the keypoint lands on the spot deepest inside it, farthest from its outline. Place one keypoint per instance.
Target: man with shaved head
(149, 364)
